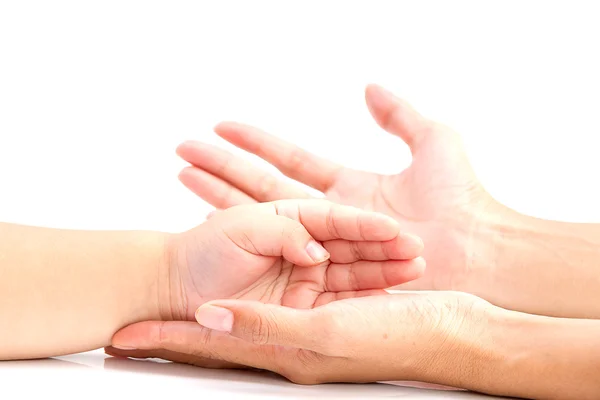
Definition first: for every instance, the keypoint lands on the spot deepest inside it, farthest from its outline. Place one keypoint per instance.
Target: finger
(364, 275)
(396, 116)
(329, 297)
(238, 172)
(276, 236)
(191, 338)
(403, 247)
(293, 161)
(174, 356)
(212, 189)
(262, 324)
(327, 221)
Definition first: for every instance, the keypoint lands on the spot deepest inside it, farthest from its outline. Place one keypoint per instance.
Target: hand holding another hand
(409, 336)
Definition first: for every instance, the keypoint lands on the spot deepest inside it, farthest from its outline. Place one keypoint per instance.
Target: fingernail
(215, 318)
(316, 251)
(116, 346)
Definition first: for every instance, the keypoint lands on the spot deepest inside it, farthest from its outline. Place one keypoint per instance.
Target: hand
(438, 197)
(409, 336)
(272, 252)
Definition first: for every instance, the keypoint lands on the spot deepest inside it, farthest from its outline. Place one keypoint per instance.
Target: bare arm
(537, 266)
(447, 338)
(531, 356)
(65, 291)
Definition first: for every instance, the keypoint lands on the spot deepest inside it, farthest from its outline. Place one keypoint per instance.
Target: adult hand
(410, 336)
(446, 338)
(438, 197)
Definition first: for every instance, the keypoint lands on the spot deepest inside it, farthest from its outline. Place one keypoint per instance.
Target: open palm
(272, 252)
(438, 197)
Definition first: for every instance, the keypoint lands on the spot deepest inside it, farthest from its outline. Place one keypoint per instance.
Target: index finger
(293, 161)
(325, 220)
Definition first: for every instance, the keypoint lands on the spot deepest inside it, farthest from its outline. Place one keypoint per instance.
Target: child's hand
(272, 252)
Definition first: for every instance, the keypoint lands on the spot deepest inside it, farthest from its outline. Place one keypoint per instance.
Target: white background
(95, 96)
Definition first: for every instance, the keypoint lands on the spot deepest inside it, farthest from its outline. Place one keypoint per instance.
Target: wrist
(488, 349)
(171, 297)
(149, 266)
(184, 254)
(534, 356)
(457, 322)
(485, 248)
(467, 351)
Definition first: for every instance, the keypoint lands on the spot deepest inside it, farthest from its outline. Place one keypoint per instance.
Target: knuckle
(331, 225)
(356, 251)
(295, 160)
(260, 330)
(224, 197)
(267, 185)
(295, 231)
(360, 226)
(226, 166)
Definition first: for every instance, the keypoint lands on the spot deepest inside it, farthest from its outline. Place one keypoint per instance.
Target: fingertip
(380, 227)
(184, 147)
(371, 89)
(214, 317)
(317, 252)
(377, 98)
(410, 244)
(226, 128)
(415, 269)
(185, 174)
(420, 264)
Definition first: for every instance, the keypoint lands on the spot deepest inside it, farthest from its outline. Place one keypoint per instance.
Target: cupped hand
(438, 197)
(419, 336)
(296, 253)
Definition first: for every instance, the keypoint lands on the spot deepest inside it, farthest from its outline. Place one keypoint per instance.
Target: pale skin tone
(69, 291)
(446, 338)
(472, 244)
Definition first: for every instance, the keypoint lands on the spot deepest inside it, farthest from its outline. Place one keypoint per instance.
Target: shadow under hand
(52, 363)
(267, 384)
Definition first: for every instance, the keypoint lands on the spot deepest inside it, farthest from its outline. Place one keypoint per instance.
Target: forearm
(508, 353)
(536, 357)
(65, 291)
(537, 266)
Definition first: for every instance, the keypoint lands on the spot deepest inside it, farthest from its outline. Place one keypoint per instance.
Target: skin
(276, 245)
(472, 244)
(61, 294)
(445, 338)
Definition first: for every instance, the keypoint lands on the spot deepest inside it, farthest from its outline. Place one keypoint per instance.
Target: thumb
(396, 116)
(263, 324)
(276, 236)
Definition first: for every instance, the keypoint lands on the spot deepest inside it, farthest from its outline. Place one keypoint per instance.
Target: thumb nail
(316, 251)
(215, 318)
